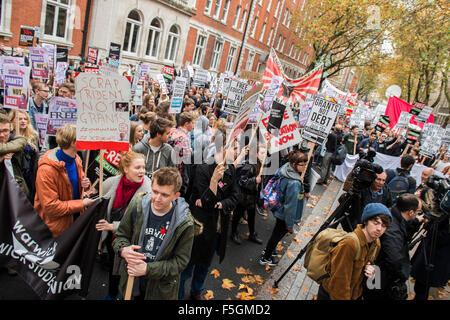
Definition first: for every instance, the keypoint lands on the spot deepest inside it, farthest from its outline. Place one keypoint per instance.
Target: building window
(132, 32)
(226, 8)
(255, 22)
(236, 16)
(154, 38)
(286, 14)
(270, 37)
(172, 44)
(251, 57)
(199, 50)
(279, 43)
(230, 59)
(282, 46)
(244, 16)
(217, 9)
(208, 7)
(260, 2)
(216, 55)
(263, 30)
(56, 18)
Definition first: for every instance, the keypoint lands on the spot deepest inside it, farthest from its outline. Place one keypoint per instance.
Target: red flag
(395, 107)
(293, 90)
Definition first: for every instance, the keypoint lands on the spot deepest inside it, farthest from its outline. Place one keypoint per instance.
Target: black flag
(53, 267)
(276, 117)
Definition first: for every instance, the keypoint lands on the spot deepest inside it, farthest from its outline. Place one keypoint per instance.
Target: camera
(362, 176)
(441, 192)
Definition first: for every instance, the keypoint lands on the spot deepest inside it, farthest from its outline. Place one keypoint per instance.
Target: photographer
(400, 180)
(394, 261)
(431, 261)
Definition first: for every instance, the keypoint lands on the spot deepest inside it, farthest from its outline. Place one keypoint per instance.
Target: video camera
(364, 173)
(441, 191)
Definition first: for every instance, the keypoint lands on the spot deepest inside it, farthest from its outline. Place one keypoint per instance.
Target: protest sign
(103, 112)
(417, 108)
(61, 111)
(92, 56)
(178, 94)
(95, 70)
(446, 137)
(17, 61)
(288, 134)
(62, 55)
(114, 51)
(357, 118)
(424, 114)
(304, 110)
(256, 111)
(108, 70)
(271, 93)
(168, 72)
(138, 95)
(200, 77)
(162, 84)
(320, 120)
(412, 135)
(429, 146)
(145, 71)
(51, 54)
(39, 63)
(236, 93)
(41, 126)
(275, 117)
(403, 120)
(242, 118)
(26, 37)
(16, 81)
(111, 160)
(60, 73)
(383, 123)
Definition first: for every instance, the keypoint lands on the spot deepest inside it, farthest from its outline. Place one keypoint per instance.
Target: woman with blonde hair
(147, 120)
(30, 155)
(121, 189)
(136, 133)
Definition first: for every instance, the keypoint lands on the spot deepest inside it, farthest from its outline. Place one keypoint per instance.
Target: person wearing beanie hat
(394, 261)
(349, 265)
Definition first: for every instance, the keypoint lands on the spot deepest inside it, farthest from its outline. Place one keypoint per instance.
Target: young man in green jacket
(154, 239)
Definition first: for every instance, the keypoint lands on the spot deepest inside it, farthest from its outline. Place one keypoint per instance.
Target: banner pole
(355, 142)
(100, 188)
(129, 289)
(85, 171)
(406, 149)
(311, 150)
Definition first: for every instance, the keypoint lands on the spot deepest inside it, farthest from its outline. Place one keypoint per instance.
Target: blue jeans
(200, 273)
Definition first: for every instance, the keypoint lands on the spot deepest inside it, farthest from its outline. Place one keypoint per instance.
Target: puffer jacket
(54, 194)
(347, 274)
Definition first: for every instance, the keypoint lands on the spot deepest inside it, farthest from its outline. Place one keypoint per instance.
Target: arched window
(132, 32)
(172, 44)
(154, 38)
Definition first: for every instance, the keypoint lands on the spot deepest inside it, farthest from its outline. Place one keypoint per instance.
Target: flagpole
(129, 289)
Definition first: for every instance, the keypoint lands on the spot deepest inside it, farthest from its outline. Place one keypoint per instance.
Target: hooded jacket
(54, 195)
(164, 157)
(292, 196)
(163, 274)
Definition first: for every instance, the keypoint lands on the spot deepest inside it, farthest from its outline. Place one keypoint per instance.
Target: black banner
(114, 51)
(62, 54)
(26, 37)
(53, 267)
(276, 117)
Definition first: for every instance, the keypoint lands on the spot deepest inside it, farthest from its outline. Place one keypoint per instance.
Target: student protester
(147, 119)
(66, 90)
(333, 142)
(140, 111)
(154, 239)
(38, 104)
(381, 144)
(368, 143)
(396, 146)
(249, 181)
(70, 76)
(162, 111)
(394, 260)
(188, 105)
(402, 181)
(136, 133)
(214, 197)
(350, 140)
(120, 191)
(292, 197)
(59, 183)
(12, 148)
(347, 271)
(158, 154)
(30, 154)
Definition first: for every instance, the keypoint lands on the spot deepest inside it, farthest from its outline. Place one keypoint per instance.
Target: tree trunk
(409, 88)
(416, 98)
(441, 89)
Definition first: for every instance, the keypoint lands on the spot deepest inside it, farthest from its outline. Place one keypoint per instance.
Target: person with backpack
(350, 256)
(154, 239)
(286, 195)
(400, 180)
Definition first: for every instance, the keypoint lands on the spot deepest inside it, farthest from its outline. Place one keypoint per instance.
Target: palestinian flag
(417, 108)
(412, 136)
(292, 90)
(382, 123)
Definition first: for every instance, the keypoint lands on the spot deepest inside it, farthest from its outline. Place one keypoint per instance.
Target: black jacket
(394, 261)
(227, 194)
(333, 142)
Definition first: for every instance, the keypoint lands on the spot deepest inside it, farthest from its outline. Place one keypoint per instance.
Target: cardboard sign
(16, 81)
(111, 160)
(236, 93)
(60, 73)
(200, 77)
(429, 146)
(320, 120)
(61, 111)
(51, 53)
(103, 112)
(26, 38)
(39, 63)
(178, 94)
(288, 134)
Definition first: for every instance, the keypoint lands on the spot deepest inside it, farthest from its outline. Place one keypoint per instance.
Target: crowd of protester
(168, 214)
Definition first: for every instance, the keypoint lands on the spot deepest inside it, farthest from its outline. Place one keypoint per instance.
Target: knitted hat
(374, 209)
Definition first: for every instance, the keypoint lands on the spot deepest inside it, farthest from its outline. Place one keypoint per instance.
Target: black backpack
(339, 155)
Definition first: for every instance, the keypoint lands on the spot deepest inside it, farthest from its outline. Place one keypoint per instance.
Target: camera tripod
(339, 216)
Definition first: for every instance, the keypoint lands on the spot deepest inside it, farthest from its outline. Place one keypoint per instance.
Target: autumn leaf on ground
(290, 254)
(242, 270)
(310, 205)
(259, 280)
(248, 279)
(297, 240)
(246, 287)
(267, 268)
(272, 290)
(209, 295)
(227, 284)
(244, 296)
(279, 246)
(216, 273)
(296, 268)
